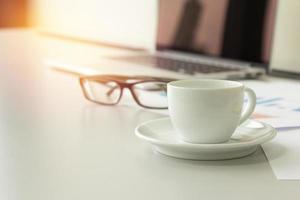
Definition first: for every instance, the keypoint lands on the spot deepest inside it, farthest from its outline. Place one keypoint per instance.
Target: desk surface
(56, 145)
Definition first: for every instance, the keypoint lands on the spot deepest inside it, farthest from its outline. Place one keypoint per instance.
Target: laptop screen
(234, 29)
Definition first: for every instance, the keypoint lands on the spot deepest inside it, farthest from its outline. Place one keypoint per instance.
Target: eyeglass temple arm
(109, 92)
(112, 88)
(162, 86)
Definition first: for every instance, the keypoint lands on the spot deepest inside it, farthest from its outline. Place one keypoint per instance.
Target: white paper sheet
(283, 153)
(283, 107)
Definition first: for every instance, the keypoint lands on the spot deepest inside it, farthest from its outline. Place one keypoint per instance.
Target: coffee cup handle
(248, 110)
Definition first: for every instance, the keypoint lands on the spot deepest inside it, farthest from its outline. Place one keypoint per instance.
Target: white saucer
(245, 140)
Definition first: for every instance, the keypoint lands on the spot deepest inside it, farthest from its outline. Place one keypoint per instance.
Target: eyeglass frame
(120, 80)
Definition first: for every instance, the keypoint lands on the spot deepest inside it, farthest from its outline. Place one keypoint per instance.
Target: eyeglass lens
(151, 94)
(106, 92)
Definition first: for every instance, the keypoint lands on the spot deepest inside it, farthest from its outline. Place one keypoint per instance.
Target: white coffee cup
(208, 111)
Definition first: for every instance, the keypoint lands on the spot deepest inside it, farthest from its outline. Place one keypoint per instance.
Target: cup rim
(231, 84)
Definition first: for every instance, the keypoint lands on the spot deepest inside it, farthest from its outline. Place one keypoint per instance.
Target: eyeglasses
(148, 92)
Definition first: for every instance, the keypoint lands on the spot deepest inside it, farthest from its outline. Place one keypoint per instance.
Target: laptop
(225, 39)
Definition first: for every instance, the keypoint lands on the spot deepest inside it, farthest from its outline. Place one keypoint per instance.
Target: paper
(283, 153)
(278, 104)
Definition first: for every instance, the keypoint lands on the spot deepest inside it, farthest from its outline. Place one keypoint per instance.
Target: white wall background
(286, 43)
(127, 22)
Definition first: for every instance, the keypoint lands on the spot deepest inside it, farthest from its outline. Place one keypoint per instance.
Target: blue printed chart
(279, 103)
(280, 112)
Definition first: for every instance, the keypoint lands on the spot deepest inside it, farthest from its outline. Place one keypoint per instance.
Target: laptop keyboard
(178, 65)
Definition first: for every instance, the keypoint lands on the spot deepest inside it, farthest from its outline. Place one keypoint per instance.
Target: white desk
(56, 145)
